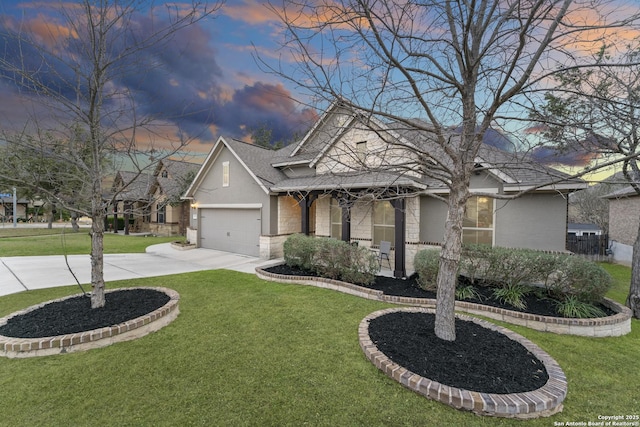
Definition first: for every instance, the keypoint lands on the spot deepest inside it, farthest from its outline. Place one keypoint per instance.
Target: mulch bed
(479, 359)
(409, 288)
(75, 315)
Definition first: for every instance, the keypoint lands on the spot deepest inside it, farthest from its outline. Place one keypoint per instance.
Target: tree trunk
(445, 326)
(633, 300)
(97, 255)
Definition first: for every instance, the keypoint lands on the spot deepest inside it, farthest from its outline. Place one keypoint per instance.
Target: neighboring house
(132, 201)
(343, 180)
(580, 229)
(169, 214)
(624, 214)
(6, 209)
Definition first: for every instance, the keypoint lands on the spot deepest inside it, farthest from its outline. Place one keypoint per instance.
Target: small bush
(331, 258)
(426, 264)
(574, 308)
(299, 251)
(467, 292)
(513, 294)
(578, 277)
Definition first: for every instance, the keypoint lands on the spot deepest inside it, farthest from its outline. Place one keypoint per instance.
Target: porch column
(305, 205)
(399, 270)
(115, 219)
(346, 224)
(126, 219)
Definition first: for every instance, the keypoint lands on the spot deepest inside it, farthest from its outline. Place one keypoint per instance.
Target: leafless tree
(597, 110)
(85, 119)
(461, 66)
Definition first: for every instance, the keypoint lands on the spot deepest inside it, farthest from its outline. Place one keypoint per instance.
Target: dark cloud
(553, 156)
(177, 80)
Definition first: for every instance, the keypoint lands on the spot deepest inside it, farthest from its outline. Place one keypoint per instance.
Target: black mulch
(409, 288)
(479, 359)
(75, 314)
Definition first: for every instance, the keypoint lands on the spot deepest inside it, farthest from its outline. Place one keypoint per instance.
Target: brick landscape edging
(610, 326)
(542, 402)
(135, 328)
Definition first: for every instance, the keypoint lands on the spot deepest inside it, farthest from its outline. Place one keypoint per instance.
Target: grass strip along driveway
(248, 352)
(58, 241)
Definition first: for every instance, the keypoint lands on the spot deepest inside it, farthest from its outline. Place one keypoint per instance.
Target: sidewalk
(18, 274)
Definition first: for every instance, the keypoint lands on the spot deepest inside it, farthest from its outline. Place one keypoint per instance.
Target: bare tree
(460, 66)
(84, 117)
(598, 111)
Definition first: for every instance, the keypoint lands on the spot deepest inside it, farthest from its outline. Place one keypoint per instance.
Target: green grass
(248, 352)
(75, 243)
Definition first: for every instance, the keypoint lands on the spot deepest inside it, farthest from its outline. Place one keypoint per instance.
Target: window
(384, 222)
(336, 219)
(225, 174)
(165, 174)
(478, 221)
(361, 151)
(162, 213)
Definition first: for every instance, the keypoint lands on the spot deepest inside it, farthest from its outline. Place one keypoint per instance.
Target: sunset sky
(212, 73)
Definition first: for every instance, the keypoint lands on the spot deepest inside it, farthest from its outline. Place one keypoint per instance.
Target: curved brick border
(610, 326)
(542, 402)
(130, 330)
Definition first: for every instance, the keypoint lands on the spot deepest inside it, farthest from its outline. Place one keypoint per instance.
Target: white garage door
(231, 230)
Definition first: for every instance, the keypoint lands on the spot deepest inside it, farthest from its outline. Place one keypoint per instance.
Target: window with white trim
(336, 219)
(384, 223)
(225, 174)
(477, 226)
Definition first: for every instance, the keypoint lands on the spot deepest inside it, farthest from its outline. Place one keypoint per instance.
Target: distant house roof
(621, 193)
(132, 186)
(178, 171)
(576, 226)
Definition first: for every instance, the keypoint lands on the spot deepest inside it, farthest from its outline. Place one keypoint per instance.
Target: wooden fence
(596, 247)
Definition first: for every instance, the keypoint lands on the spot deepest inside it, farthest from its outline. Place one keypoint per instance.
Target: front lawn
(249, 352)
(76, 243)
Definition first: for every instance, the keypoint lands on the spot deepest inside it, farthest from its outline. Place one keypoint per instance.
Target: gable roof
(135, 186)
(177, 172)
(256, 161)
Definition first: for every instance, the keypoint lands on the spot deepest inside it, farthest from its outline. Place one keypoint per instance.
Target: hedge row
(331, 258)
(562, 275)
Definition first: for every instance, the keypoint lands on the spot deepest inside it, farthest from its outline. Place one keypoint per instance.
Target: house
(169, 214)
(581, 229)
(624, 215)
(6, 208)
(132, 202)
(348, 179)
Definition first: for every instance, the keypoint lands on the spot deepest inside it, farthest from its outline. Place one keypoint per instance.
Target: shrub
(475, 261)
(572, 307)
(578, 277)
(299, 251)
(513, 294)
(467, 292)
(426, 264)
(362, 267)
(331, 258)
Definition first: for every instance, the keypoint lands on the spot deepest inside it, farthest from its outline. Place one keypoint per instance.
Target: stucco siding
(533, 222)
(242, 189)
(433, 213)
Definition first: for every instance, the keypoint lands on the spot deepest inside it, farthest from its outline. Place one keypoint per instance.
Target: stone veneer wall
(289, 214)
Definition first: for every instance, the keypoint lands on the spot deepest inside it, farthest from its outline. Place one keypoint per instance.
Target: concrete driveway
(18, 274)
